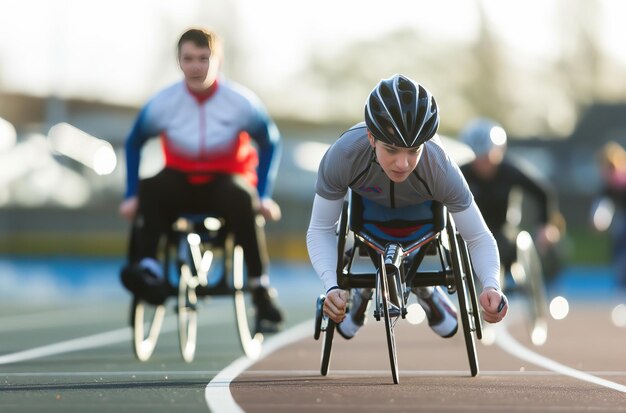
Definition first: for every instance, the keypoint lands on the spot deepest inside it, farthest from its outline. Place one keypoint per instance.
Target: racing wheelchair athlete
(395, 162)
(500, 184)
(221, 151)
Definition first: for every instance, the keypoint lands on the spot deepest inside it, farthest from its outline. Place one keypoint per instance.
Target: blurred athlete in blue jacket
(221, 155)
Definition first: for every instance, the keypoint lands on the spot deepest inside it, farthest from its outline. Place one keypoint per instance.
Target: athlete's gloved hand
(270, 209)
(495, 305)
(335, 304)
(128, 208)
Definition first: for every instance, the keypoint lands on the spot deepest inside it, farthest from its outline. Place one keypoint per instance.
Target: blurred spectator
(609, 207)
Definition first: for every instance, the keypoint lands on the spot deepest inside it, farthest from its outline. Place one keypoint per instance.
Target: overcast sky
(115, 50)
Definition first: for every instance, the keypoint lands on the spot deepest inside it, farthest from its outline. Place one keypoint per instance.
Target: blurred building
(52, 203)
(571, 164)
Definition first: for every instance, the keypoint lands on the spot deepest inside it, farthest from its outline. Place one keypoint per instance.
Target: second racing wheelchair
(201, 260)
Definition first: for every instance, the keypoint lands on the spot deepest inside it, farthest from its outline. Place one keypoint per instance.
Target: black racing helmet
(401, 112)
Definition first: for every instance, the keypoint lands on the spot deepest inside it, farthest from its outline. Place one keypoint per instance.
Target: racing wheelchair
(528, 273)
(524, 277)
(434, 254)
(200, 260)
(523, 272)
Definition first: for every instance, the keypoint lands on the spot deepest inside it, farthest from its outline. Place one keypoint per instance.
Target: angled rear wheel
(534, 287)
(250, 339)
(147, 321)
(327, 325)
(461, 279)
(471, 287)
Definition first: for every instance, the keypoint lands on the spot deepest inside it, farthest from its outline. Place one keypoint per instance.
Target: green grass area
(580, 247)
(64, 243)
(290, 247)
(585, 247)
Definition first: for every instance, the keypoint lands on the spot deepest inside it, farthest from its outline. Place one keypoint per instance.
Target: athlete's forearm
(137, 137)
(321, 239)
(481, 244)
(269, 158)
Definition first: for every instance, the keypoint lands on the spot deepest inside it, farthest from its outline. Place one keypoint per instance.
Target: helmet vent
(401, 112)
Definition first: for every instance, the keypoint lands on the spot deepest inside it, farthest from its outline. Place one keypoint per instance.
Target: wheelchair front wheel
(147, 321)
(327, 346)
(390, 320)
(319, 316)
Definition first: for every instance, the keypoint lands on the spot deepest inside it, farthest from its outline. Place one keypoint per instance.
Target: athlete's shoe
(348, 328)
(143, 283)
(441, 313)
(355, 319)
(268, 316)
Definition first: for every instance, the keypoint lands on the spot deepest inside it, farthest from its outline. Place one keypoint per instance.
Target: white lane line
(82, 343)
(217, 393)
(89, 342)
(201, 373)
(507, 343)
(49, 319)
(73, 316)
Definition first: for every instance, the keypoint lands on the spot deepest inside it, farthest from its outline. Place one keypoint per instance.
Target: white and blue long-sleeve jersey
(203, 135)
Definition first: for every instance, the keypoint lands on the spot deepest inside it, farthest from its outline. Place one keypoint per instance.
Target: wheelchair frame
(526, 271)
(395, 275)
(195, 244)
(528, 278)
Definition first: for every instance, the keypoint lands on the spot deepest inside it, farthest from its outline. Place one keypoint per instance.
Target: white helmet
(482, 135)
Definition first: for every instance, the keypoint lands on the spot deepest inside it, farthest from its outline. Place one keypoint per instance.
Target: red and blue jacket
(224, 131)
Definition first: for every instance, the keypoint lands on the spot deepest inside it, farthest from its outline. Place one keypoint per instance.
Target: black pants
(163, 197)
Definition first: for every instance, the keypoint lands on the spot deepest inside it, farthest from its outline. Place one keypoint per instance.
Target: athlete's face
(199, 66)
(487, 165)
(397, 162)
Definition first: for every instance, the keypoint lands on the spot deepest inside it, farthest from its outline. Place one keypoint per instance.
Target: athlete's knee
(149, 192)
(243, 201)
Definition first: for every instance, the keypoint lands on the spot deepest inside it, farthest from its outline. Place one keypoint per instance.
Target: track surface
(71, 353)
